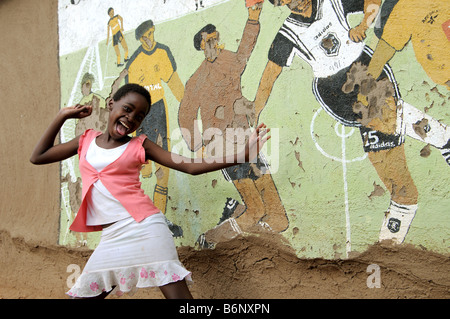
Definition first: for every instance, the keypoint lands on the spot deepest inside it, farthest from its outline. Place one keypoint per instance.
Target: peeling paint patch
(376, 105)
(245, 107)
(421, 128)
(425, 151)
(300, 163)
(295, 142)
(377, 191)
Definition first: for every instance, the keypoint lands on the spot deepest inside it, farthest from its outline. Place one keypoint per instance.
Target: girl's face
(126, 115)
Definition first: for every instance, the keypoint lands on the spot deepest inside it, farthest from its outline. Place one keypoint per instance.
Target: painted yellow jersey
(113, 23)
(149, 68)
(426, 24)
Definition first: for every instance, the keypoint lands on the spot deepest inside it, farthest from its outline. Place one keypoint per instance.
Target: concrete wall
(324, 194)
(30, 91)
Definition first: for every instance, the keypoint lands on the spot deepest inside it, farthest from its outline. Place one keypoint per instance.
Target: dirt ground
(246, 267)
(255, 267)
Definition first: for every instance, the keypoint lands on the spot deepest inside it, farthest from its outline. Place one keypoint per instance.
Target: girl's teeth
(124, 124)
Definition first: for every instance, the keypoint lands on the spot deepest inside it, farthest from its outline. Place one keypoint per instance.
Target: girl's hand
(45, 151)
(77, 111)
(256, 141)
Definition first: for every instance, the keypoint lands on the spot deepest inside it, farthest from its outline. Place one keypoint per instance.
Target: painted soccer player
(149, 65)
(318, 32)
(427, 27)
(215, 90)
(115, 24)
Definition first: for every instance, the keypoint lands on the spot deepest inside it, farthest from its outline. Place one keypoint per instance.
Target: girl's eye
(126, 108)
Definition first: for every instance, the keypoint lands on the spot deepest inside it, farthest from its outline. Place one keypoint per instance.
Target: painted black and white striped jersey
(322, 41)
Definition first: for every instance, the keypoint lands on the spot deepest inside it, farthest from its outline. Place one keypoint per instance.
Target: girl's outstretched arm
(199, 166)
(45, 151)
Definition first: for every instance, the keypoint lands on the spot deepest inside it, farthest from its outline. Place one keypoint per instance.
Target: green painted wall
(333, 207)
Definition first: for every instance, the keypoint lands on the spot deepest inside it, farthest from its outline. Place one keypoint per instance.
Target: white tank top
(102, 207)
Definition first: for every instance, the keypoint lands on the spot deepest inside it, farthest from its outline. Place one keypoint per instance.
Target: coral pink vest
(121, 178)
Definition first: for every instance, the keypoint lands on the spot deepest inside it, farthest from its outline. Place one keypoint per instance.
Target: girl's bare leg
(176, 290)
(103, 295)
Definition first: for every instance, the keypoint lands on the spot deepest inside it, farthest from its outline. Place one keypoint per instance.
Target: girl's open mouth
(122, 128)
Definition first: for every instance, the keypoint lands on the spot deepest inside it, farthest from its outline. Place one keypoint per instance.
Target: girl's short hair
(133, 87)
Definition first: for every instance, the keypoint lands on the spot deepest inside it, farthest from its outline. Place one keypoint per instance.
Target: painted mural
(356, 93)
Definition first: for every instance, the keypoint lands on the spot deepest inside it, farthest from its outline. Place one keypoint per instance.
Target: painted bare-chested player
(215, 90)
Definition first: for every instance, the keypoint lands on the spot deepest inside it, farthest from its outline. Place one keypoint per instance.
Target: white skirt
(131, 255)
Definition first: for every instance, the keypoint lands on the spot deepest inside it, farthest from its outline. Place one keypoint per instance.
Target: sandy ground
(253, 267)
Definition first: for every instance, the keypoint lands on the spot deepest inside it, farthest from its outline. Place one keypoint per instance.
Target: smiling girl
(136, 249)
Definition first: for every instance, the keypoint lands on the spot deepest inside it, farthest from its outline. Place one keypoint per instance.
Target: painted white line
(344, 175)
(343, 159)
(99, 68)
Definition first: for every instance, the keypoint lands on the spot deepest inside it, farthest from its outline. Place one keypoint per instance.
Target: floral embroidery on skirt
(131, 255)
